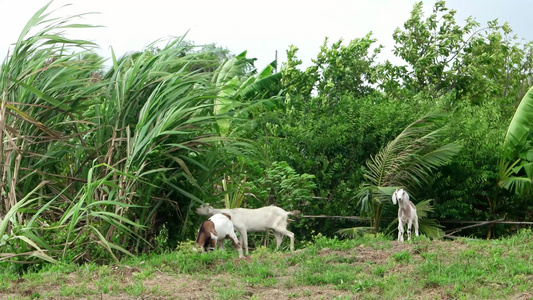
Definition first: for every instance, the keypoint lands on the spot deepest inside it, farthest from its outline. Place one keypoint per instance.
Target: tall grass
(93, 162)
(46, 83)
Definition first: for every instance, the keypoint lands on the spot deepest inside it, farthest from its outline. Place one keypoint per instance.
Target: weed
(229, 293)
(145, 274)
(258, 281)
(402, 257)
(421, 244)
(289, 283)
(293, 295)
(75, 291)
(4, 284)
(188, 246)
(159, 291)
(428, 255)
(379, 271)
(136, 289)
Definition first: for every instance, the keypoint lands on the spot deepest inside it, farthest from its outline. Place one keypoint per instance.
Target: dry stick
(3, 165)
(449, 235)
(479, 222)
(53, 175)
(12, 193)
(11, 196)
(440, 221)
(471, 226)
(337, 217)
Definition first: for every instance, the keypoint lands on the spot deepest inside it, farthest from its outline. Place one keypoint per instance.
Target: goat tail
(213, 233)
(296, 213)
(200, 230)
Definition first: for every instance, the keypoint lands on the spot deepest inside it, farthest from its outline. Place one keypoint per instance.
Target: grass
(371, 267)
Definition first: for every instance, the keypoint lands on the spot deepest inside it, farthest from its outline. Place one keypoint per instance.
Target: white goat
(251, 220)
(406, 213)
(216, 230)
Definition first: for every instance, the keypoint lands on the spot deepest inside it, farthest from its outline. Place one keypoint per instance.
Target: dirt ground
(188, 287)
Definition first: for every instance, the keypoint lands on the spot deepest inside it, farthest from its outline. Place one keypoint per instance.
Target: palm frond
(430, 228)
(519, 184)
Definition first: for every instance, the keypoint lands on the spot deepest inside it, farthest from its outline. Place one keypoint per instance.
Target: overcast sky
(261, 27)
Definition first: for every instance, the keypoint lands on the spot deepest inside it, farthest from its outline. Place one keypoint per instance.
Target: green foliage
(346, 70)
(332, 143)
(297, 84)
(320, 242)
(443, 56)
(461, 188)
(445, 62)
(494, 64)
(429, 47)
(468, 187)
(103, 163)
(339, 70)
(282, 186)
(240, 93)
(46, 84)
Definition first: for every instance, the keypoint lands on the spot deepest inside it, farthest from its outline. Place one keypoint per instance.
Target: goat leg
(409, 226)
(244, 240)
(400, 230)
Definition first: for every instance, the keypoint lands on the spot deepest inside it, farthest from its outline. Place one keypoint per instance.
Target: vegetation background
(97, 164)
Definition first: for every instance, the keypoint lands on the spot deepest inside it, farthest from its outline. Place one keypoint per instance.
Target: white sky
(261, 27)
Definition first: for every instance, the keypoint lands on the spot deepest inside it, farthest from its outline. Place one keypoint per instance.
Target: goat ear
(406, 196)
(394, 198)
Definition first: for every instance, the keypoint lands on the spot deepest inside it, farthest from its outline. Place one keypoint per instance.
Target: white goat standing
(217, 229)
(251, 220)
(406, 213)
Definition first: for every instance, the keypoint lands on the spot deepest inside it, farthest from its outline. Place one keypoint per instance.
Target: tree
(493, 64)
(346, 70)
(429, 47)
(298, 85)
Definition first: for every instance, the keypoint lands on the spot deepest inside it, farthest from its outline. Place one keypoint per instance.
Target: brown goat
(214, 231)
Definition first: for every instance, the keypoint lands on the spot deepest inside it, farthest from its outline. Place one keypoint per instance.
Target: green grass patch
(370, 267)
